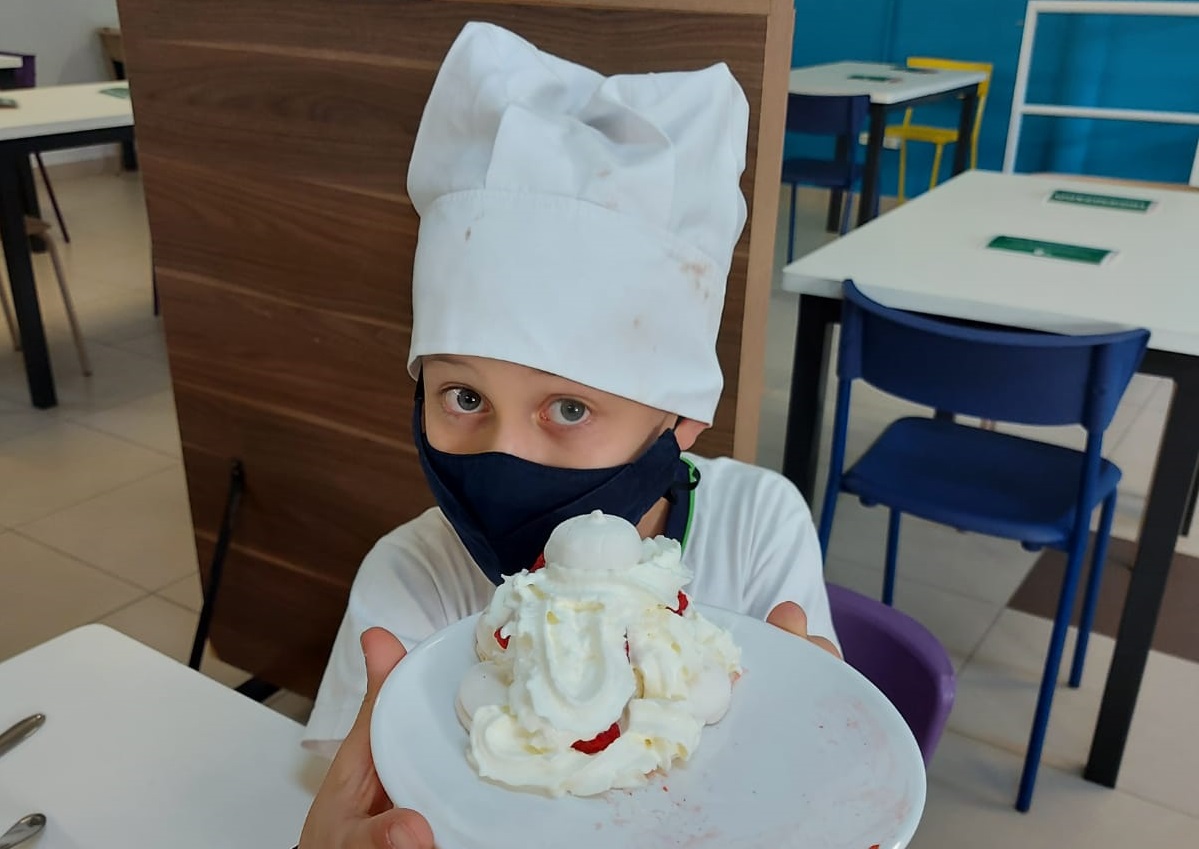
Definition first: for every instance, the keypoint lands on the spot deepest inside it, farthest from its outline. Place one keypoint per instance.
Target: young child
(576, 235)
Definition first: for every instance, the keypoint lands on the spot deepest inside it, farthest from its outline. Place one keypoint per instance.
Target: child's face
(476, 404)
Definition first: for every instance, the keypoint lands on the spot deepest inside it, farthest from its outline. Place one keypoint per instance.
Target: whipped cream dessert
(595, 670)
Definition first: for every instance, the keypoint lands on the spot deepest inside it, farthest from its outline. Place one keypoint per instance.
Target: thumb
(383, 652)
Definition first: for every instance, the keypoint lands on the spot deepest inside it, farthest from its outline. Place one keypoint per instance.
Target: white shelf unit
(1020, 107)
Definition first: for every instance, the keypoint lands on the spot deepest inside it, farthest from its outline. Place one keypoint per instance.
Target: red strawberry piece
(540, 563)
(499, 638)
(599, 742)
(683, 602)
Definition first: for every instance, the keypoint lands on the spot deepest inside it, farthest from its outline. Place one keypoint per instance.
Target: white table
(55, 110)
(890, 87)
(140, 752)
(930, 255)
(47, 118)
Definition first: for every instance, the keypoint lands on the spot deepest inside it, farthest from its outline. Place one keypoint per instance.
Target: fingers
(399, 829)
(790, 617)
(827, 645)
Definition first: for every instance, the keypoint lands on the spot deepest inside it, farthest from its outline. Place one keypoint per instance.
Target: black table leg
(1189, 518)
(29, 200)
(961, 153)
(801, 450)
(1168, 498)
(832, 224)
(836, 197)
(868, 203)
(20, 279)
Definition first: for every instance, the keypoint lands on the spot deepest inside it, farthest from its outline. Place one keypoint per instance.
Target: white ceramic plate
(810, 755)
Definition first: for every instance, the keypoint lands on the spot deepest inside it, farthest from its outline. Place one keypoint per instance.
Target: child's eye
(568, 411)
(462, 400)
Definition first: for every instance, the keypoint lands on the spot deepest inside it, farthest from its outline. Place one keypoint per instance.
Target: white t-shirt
(751, 544)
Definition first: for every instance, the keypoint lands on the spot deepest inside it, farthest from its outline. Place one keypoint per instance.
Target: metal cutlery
(20, 731)
(23, 829)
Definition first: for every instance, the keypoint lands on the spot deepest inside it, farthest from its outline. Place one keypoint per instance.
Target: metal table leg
(20, 278)
(1164, 512)
(868, 202)
(961, 153)
(809, 371)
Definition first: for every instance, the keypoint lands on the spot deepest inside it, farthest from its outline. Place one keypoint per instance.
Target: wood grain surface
(274, 141)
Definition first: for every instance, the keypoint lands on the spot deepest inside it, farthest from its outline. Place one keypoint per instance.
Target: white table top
(901, 84)
(49, 110)
(7, 60)
(140, 752)
(930, 255)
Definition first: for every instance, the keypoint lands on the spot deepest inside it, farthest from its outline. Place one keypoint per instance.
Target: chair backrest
(840, 116)
(1005, 375)
(934, 64)
(26, 75)
(827, 115)
(900, 657)
(984, 88)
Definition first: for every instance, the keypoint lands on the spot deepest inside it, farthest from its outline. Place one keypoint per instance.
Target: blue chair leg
(846, 203)
(892, 556)
(1053, 663)
(1087, 619)
(791, 229)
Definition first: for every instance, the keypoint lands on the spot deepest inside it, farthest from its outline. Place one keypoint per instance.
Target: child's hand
(790, 617)
(351, 810)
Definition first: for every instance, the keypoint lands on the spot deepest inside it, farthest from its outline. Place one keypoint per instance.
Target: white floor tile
(63, 464)
(47, 593)
(972, 791)
(20, 419)
(185, 592)
(150, 422)
(1162, 753)
(140, 532)
(117, 377)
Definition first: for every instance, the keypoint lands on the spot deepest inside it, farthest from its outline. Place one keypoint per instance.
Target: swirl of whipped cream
(594, 669)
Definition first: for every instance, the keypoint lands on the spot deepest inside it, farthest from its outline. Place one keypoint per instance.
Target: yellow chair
(939, 136)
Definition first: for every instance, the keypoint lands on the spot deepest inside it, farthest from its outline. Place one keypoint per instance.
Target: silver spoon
(23, 829)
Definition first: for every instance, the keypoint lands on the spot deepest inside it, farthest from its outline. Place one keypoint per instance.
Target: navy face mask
(504, 508)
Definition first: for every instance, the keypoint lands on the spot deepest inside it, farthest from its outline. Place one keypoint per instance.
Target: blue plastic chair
(825, 115)
(980, 480)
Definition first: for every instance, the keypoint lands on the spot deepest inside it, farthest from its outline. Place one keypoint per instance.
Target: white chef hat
(577, 224)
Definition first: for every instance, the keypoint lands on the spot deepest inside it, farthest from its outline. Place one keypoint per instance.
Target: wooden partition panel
(274, 141)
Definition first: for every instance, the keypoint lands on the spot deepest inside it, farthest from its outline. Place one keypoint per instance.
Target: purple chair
(900, 657)
(26, 77)
(839, 116)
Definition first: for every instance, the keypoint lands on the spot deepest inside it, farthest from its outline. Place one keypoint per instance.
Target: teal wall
(1130, 62)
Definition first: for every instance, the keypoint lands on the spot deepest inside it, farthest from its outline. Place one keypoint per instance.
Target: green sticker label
(1053, 250)
(119, 91)
(1103, 201)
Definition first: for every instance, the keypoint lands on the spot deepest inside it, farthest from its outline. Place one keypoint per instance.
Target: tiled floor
(94, 526)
